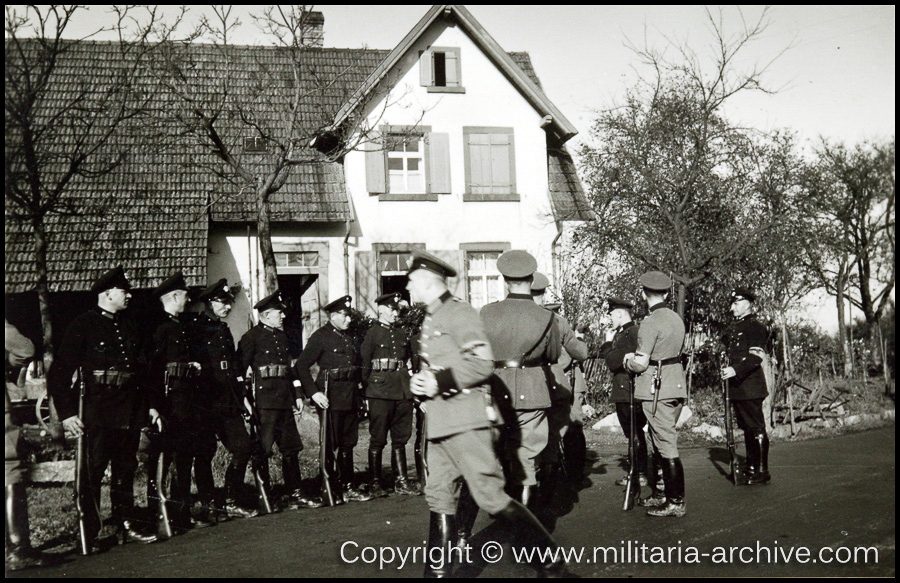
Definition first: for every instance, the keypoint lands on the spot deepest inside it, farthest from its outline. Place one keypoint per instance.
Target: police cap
(270, 302)
(392, 299)
(174, 282)
(656, 281)
(553, 307)
(516, 264)
(742, 293)
(342, 303)
(114, 278)
(618, 303)
(427, 261)
(217, 291)
(540, 282)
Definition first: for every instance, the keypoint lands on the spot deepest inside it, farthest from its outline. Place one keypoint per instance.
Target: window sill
(469, 197)
(446, 89)
(407, 197)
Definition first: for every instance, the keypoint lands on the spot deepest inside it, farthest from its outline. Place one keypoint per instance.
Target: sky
(833, 69)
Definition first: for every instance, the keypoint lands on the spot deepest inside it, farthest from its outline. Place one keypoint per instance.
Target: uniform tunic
(454, 346)
(749, 381)
(564, 410)
(390, 400)
(613, 353)
(212, 345)
(332, 350)
(172, 374)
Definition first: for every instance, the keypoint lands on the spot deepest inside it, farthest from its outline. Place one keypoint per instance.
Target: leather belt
(274, 371)
(112, 379)
(517, 364)
(666, 361)
(387, 364)
(344, 373)
(180, 370)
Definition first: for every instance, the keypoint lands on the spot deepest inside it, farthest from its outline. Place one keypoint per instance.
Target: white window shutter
(426, 69)
(376, 174)
(439, 162)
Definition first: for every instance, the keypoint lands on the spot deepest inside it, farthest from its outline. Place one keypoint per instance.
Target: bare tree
(62, 126)
(258, 122)
(675, 185)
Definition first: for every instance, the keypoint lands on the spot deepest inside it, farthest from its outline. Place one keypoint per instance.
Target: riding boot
(234, 478)
(547, 486)
(19, 553)
(529, 496)
(375, 473)
(466, 513)
(674, 479)
(398, 465)
(657, 495)
(534, 536)
(345, 455)
(761, 445)
(441, 531)
(752, 464)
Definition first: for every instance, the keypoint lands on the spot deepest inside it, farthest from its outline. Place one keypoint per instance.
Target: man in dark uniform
(222, 389)
(747, 341)
(264, 350)
(525, 340)
(385, 367)
(457, 363)
(563, 412)
(622, 339)
(337, 355)
(174, 375)
(661, 387)
(104, 348)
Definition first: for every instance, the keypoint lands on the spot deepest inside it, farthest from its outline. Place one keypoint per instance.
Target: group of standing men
(470, 375)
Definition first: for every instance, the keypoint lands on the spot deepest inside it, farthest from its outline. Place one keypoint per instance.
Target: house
(466, 159)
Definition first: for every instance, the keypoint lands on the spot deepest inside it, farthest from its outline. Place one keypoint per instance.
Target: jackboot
(549, 477)
(657, 475)
(234, 478)
(19, 552)
(761, 445)
(752, 464)
(529, 496)
(290, 468)
(466, 513)
(345, 456)
(674, 478)
(533, 535)
(398, 466)
(375, 473)
(441, 532)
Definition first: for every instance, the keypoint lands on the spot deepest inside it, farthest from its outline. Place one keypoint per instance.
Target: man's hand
(628, 357)
(320, 399)
(588, 411)
(610, 334)
(298, 407)
(155, 418)
(728, 372)
(424, 384)
(73, 427)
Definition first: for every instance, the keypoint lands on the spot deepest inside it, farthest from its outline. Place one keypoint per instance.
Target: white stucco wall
(490, 100)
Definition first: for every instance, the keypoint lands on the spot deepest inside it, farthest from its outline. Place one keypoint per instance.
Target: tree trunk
(264, 233)
(682, 292)
(846, 354)
(43, 288)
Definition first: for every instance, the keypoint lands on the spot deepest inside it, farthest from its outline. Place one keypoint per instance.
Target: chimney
(314, 30)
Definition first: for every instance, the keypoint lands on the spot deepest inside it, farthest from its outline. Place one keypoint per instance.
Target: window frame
(468, 195)
(426, 59)
(470, 248)
(407, 131)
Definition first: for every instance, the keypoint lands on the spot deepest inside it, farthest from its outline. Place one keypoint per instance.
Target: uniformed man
(174, 374)
(563, 412)
(264, 350)
(457, 363)
(525, 340)
(104, 348)
(337, 354)
(661, 388)
(622, 339)
(222, 389)
(19, 552)
(747, 341)
(385, 368)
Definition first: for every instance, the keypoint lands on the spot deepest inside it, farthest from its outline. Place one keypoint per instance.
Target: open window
(440, 71)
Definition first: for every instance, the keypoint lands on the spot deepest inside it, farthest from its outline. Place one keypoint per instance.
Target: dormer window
(256, 145)
(439, 69)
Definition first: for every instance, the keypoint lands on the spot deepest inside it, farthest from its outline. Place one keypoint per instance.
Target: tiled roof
(152, 214)
(566, 193)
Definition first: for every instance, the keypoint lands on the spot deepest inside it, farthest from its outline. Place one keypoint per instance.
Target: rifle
(84, 544)
(165, 524)
(628, 504)
(324, 443)
(655, 387)
(729, 422)
(259, 473)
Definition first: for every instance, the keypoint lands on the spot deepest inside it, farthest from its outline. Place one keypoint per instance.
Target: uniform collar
(105, 313)
(512, 296)
(658, 306)
(335, 330)
(626, 325)
(268, 328)
(433, 306)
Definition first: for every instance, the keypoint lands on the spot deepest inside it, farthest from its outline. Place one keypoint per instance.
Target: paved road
(833, 493)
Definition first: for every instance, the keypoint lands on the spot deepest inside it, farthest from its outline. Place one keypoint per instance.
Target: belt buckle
(223, 364)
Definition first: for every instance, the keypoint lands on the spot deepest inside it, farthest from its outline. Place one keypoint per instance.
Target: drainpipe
(555, 256)
(347, 259)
